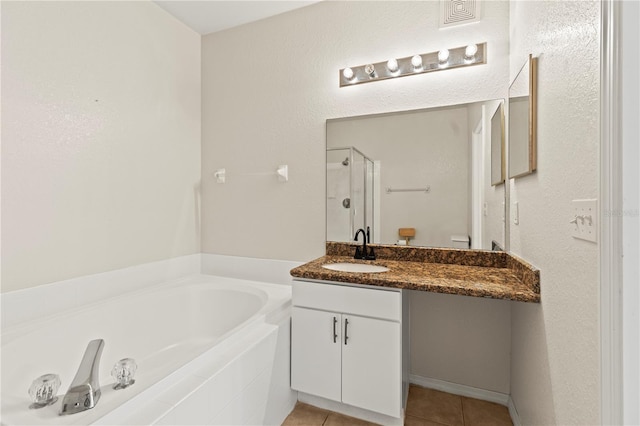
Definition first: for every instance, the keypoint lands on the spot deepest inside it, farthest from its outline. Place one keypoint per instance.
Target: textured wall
(269, 87)
(100, 138)
(555, 366)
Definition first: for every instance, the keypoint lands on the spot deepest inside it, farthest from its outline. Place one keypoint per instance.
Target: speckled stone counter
(477, 273)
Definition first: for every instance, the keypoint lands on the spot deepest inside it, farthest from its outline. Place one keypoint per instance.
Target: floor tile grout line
(430, 421)
(464, 423)
(325, 419)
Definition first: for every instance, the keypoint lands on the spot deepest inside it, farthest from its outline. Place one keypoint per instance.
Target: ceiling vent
(457, 12)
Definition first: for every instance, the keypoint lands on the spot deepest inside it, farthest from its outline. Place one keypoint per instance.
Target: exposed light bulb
(392, 65)
(443, 55)
(416, 61)
(470, 51)
(370, 69)
(347, 73)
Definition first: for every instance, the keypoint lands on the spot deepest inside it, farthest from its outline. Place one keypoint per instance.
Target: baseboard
(515, 418)
(463, 390)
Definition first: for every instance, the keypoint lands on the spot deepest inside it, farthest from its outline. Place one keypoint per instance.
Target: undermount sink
(355, 267)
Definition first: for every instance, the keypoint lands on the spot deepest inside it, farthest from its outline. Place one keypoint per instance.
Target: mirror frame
(501, 165)
(532, 63)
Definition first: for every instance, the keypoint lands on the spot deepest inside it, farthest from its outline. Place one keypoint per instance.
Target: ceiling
(208, 16)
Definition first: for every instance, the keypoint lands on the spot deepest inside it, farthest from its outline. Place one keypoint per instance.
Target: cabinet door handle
(335, 335)
(346, 324)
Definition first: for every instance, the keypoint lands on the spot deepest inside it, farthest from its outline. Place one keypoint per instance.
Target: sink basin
(355, 267)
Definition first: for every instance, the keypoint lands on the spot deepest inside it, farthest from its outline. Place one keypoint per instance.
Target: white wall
(101, 138)
(630, 90)
(555, 365)
(269, 87)
(460, 339)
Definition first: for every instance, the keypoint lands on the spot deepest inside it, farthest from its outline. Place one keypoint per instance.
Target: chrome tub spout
(84, 391)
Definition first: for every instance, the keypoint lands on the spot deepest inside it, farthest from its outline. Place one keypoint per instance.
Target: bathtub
(209, 349)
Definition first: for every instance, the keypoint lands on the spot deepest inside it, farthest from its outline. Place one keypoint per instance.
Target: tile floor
(425, 407)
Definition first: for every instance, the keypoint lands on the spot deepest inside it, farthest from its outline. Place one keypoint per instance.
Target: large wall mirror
(523, 120)
(420, 177)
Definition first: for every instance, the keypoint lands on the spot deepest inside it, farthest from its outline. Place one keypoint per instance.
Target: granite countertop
(497, 275)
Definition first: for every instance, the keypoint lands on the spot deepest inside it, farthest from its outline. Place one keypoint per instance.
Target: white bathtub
(209, 350)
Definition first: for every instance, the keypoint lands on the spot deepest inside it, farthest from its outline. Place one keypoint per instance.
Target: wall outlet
(516, 213)
(584, 223)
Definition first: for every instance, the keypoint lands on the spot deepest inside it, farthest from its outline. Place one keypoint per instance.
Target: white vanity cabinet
(346, 345)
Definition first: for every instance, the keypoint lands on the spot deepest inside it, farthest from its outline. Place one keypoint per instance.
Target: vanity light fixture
(444, 59)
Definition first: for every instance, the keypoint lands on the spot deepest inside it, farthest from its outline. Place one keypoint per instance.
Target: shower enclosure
(350, 193)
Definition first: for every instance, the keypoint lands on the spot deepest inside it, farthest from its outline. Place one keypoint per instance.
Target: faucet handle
(43, 390)
(123, 371)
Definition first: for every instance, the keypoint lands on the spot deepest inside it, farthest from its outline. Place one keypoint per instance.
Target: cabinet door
(315, 352)
(371, 364)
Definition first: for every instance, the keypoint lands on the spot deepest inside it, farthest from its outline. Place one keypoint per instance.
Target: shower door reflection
(350, 194)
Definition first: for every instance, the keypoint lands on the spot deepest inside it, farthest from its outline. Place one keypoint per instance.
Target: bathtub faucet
(84, 391)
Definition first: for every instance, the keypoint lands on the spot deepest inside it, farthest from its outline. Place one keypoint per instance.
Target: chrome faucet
(362, 253)
(84, 391)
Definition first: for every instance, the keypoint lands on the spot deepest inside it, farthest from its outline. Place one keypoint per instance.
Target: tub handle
(335, 335)
(346, 324)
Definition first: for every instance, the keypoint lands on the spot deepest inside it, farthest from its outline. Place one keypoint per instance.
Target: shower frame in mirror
(357, 197)
(529, 142)
(498, 167)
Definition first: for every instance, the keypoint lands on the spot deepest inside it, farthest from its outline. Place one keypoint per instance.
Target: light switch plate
(584, 223)
(516, 213)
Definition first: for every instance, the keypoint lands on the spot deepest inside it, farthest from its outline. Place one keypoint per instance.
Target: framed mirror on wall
(426, 171)
(523, 120)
